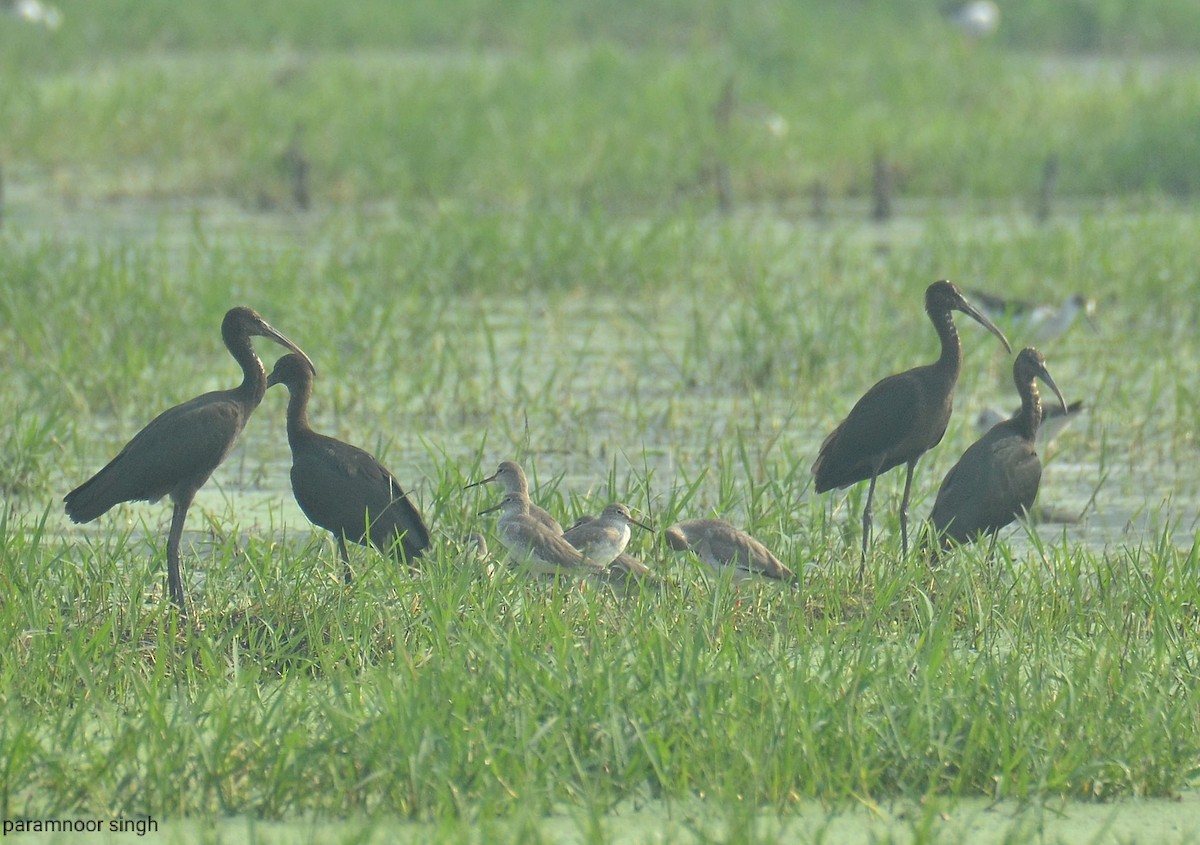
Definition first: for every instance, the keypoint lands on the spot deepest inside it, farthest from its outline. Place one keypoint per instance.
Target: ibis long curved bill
(177, 451)
(965, 306)
(265, 329)
(902, 416)
(996, 480)
(342, 488)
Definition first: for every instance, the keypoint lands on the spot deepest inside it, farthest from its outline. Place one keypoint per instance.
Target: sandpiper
(623, 567)
(602, 539)
(512, 477)
(725, 547)
(532, 543)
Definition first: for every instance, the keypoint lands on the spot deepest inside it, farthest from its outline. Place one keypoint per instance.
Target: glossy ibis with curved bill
(176, 453)
(996, 479)
(723, 546)
(901, 417)
(512, 478)
(342, 488)
(530, 542)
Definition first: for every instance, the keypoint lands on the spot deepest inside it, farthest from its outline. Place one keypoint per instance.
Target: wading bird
(725, 547)
(996, 479)
(623, 569)
(1038, 322)
(340, 487)
(176, 453)
(530, 542)
(602, 539)
(901, 417)
(976, 19)
(512, 478)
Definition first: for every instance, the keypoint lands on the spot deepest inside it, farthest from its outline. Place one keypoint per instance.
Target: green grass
(514, 253)
(1060, 669)
(553, 104)
(452, 696)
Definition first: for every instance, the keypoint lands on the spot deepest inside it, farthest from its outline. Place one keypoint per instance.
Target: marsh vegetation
(515, 244)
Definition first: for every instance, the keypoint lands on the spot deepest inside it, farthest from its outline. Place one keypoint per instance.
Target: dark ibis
(176, 453)
(996, 479)
(342, 488)
(531, 543)
(511, 477)
(723, 547)
(901, 417)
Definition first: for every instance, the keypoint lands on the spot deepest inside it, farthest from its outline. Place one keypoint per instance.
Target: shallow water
(557, 354)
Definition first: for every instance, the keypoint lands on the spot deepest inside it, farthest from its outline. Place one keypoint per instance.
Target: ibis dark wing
(879, 423)
(178, 449)
(342, 489)
(994, 481)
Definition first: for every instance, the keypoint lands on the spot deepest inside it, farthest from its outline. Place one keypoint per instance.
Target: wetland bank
(513, 250)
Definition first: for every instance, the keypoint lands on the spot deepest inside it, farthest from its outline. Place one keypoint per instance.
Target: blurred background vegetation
(628, 106)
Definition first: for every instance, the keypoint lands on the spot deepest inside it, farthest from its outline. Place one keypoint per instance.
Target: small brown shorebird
(996, 480)
(726, 548)
(901, 417)
(512, 478)
(624, 567)
(602, 539)
(474, 546)
(531, 543)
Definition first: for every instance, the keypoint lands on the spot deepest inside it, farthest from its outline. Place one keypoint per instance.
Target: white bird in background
(1053, 421)
(1035, 322)
(36, 12)
(976, 19)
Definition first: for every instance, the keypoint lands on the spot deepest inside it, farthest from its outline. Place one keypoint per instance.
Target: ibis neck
(1029, 418)
(950, 361)
(254, 377)
(297, 411)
